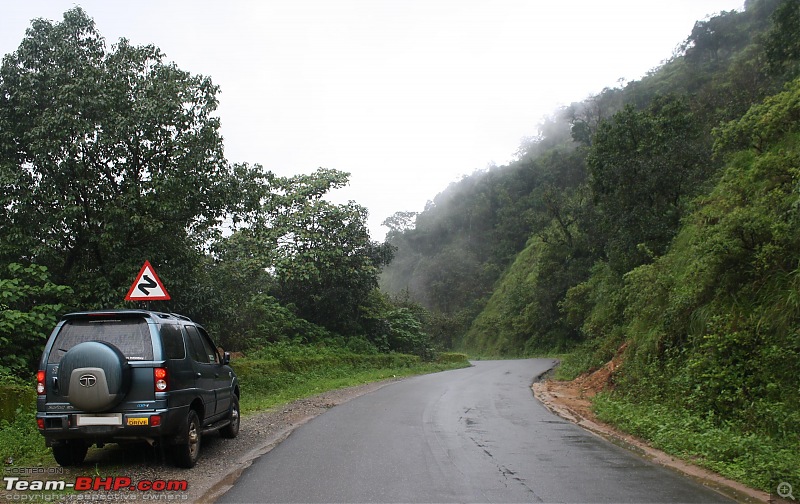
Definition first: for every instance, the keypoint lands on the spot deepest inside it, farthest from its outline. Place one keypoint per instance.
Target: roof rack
(127, 312)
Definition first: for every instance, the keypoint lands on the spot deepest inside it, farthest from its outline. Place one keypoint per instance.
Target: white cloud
(406, 95)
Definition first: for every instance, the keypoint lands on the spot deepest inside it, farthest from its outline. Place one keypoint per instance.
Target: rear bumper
(147, 425)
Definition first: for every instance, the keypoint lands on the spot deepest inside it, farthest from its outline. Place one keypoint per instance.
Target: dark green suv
(133, 375)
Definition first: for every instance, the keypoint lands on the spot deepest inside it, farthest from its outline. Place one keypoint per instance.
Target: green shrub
(29, 308)
(13, 397)
(20, 440)
(452, 358)
(282, 371)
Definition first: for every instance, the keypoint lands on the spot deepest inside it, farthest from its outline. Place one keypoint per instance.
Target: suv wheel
(232, 429)
(188, 450)
(70, 453)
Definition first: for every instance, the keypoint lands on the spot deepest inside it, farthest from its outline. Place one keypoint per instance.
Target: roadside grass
(267, 381)
(734, 450)
(574, 364)
(20, 441)
(294, 386)
(268, 384)
(755, 459)
(585, 357)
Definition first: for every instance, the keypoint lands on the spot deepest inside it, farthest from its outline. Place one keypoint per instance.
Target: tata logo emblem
(87, 380)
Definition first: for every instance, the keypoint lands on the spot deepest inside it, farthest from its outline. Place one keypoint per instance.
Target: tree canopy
(110, 156)
(106, 156)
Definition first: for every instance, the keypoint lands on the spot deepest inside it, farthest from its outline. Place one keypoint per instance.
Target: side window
(202, 349)
(210, 350)
(172, 341)
(196, 349)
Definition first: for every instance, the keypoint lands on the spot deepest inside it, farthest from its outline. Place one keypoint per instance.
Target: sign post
(147, 286)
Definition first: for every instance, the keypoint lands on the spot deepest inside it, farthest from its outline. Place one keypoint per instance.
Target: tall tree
(107, 157)
(643, 166)
(782, 44)
(319, 253)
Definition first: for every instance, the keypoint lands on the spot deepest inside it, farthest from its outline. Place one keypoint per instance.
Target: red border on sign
(131, 297)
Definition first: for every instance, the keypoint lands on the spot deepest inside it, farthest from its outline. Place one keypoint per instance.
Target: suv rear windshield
(131, 336)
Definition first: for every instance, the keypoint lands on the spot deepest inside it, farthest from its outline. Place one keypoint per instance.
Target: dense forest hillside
(604, 185)
(658, 222)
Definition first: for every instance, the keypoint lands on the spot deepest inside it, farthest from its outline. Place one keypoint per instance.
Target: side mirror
(226, 358)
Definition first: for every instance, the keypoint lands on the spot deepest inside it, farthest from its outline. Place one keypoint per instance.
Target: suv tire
(231, 430)
(188, 450)
(70, 453)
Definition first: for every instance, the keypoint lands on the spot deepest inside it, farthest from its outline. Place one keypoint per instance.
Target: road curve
(469, 435)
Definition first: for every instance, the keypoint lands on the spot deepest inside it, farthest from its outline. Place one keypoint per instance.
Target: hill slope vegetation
(660, 220)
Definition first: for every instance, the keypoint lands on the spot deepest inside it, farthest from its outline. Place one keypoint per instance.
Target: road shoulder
(266, 431)
(572, 401)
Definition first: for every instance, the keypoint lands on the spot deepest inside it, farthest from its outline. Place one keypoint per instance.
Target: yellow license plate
(138, 421)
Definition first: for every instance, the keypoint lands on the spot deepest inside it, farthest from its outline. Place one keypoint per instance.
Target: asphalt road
(470, 435)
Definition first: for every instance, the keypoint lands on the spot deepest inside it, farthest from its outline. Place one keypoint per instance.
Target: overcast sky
(406, 95)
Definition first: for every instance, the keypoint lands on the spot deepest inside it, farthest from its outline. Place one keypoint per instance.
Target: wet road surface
(469, 435)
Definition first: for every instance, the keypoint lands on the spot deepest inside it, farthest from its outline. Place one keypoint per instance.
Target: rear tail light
(160, 377)
(40, 389)
(155, 420)
(40, 423)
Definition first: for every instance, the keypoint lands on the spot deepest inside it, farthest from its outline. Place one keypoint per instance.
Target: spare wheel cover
(95, 376)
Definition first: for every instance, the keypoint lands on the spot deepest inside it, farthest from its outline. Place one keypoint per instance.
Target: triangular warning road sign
(147, 286)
